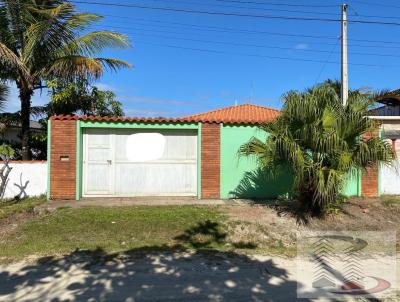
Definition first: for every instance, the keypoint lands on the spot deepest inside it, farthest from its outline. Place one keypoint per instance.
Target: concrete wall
(240, 176)
(390, 174)
(30, 177)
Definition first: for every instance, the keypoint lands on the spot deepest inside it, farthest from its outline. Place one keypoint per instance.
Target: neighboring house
(190, 156)
(385, 179)
(391, 104)
(11, 133)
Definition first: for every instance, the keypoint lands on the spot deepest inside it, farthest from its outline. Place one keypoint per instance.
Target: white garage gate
(137, 162)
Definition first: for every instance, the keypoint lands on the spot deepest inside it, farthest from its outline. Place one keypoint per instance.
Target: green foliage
(81, 98)
(49, 39)
(391, 201)
(6, 152)
(48, 43)
(11, 207)
(112, 229)
(322, 143)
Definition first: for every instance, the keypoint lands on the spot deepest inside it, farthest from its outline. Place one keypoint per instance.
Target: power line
(244, 7)
(326, 61)
(225, 29)
(280, 4)
(233, 14)
(264, 56)
(134, 32)
(255, 5)
(252, 8)
(375, 4)
(247, 31)
(126, 29)
(238, 14)
(271, 33)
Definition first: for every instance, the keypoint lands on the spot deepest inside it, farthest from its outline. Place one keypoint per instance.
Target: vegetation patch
(391, 201)
(118, 229)
(322, 143)
(9, 208)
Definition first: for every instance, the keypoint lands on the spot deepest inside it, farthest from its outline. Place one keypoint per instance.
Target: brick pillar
(369, 182)
(210, 160)
(369, 179)
(63, 159)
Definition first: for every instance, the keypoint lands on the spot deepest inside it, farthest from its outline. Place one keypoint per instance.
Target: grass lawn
(9, 208)
(117, 229)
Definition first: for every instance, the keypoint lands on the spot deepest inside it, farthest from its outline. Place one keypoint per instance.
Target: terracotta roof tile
(240, 114)
(120, 119)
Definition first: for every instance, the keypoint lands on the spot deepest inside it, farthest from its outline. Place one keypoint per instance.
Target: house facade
(193, 156)
(384, 179)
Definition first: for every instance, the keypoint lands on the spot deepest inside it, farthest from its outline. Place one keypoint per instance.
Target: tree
(81, 98)
(40, 40)
(322, 142)
(6, 154)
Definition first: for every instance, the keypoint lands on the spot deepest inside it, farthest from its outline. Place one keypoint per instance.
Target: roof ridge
(233, 106)
(260, 106)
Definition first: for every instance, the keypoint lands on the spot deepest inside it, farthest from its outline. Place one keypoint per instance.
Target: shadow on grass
(166, 273)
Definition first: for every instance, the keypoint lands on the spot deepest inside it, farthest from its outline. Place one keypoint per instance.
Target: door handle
(109, 161)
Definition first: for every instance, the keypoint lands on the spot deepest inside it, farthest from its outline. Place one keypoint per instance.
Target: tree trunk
(25, 97)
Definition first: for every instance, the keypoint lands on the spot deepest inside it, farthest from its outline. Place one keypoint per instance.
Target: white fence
(28, 178)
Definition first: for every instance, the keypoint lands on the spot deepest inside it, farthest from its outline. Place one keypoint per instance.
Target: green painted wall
(353, 185)
(240, 177)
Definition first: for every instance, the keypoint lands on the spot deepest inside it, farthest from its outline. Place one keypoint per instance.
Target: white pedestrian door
(97, 163)
(134, 162)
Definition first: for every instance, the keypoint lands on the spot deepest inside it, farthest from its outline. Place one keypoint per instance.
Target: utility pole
(344, 74)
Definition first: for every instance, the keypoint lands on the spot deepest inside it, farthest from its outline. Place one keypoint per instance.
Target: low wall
(27, 176)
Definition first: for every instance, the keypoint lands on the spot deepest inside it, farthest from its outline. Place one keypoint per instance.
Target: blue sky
(186, 63)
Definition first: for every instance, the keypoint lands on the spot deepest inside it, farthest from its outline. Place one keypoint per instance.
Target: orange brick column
(210, 160)
(63, 159)
(369, 182)
(369, 179)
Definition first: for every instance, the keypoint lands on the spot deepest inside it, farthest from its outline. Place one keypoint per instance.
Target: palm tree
(322, 142)
(40, 40)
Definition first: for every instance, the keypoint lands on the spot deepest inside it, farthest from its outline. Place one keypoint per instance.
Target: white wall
(390, 175)
(33, 175)
(390, 178)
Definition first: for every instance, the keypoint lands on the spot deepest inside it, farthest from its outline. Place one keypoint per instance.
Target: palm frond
(94, 42)
(11, 62)
(75, 66)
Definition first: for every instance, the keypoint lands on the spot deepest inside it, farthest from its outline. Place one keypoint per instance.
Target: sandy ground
(154, 277)
(265, 224)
